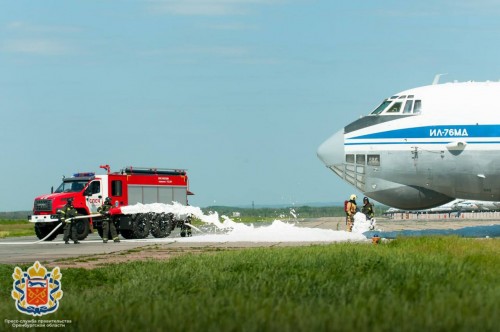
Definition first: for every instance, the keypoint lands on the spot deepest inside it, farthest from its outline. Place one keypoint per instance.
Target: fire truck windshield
(71, 186)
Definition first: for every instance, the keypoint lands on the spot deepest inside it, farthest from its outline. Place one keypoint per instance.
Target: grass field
(414, 284)
(11, 228)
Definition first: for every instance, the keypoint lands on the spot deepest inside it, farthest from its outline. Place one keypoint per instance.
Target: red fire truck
(129, 186)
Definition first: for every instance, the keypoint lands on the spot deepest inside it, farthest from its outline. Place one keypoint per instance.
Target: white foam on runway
(228, 230)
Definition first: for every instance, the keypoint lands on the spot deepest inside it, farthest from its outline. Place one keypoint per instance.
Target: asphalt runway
(27, 249)
(23, 249)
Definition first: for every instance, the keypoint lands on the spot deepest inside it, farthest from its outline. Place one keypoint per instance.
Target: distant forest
(15, 215)
(267, 212)
(298, 211)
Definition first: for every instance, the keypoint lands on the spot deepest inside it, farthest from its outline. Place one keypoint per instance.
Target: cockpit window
(382, 107)
(395, 108)
(408, 106)
(390, 106)
(418, 106)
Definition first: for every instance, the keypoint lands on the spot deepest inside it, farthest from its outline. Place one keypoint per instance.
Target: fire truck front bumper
(43, 218)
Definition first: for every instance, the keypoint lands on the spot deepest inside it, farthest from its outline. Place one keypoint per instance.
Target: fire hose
(83, 217)
(67, 220)
(55, 229)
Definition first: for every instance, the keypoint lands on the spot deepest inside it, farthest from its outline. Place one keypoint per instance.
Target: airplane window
(360, 159)
(418, 106)
(394, 108)
(402, 97)
(411, 96)
(374, 160)
(349, 158)
(408, 106)
(382, 107)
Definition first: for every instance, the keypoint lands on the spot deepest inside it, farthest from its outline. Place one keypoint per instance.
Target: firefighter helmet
(70, 201)
(107, 200)
(353, 197)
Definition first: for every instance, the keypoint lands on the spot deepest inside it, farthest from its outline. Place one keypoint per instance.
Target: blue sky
(241, 93)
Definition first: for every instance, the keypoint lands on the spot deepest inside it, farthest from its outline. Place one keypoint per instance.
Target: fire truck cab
(129, 186)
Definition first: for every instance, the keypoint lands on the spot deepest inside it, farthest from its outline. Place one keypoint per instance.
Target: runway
(24, 249)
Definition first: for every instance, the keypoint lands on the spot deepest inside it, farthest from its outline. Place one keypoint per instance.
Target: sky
(239, 92)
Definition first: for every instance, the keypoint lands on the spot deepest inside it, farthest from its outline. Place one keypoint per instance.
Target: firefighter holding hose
(68, 212)
(108, 226)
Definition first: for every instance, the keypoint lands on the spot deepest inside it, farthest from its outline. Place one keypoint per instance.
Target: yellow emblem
(37, 291)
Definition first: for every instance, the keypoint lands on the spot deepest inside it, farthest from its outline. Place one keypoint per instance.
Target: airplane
(455, 206)
(465, 206)
(474, 205)
(423, 147)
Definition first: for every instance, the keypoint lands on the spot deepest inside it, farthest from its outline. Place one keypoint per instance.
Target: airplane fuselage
(423, 147)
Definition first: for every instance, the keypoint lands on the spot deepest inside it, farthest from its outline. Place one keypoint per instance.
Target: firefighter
(185, 229)
(67, 212)
(351, 211)
(107, 224)
(367, 208)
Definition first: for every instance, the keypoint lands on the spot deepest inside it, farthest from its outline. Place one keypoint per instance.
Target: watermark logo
(37, 291)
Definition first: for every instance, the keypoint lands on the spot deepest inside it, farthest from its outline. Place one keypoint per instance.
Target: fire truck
(129, 186)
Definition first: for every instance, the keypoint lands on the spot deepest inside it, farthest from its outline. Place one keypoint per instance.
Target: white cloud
(35, 47)
(232, 26)
(481, 7)
(217, 51)
(440, 8)
(38, 39)
(192, 54)
(25, 27)
(205, 7)
(226, 51)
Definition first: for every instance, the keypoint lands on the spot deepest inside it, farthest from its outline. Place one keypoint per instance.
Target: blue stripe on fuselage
(470, 131)
(416, 142)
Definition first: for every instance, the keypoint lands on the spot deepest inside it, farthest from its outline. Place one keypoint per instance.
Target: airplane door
(94, 196)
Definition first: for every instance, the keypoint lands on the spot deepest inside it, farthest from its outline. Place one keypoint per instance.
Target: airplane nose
(331, 152)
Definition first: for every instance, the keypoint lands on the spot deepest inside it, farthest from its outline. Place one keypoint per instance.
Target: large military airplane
(456, 206)
(423, 147)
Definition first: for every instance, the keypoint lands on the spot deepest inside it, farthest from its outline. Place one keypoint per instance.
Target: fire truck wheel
(82, 229)
(42, 230)
(141, 225)
(127, 234)
(161, 227)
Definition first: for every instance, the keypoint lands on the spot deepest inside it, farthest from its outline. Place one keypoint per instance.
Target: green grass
(11, 228)
(412, 284)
